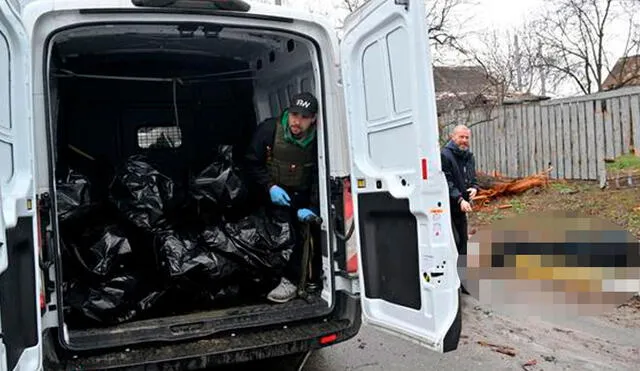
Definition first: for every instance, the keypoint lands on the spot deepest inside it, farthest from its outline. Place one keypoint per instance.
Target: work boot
(284, 292)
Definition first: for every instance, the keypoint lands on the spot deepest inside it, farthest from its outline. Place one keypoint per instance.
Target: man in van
(458, 165)
(281, 162)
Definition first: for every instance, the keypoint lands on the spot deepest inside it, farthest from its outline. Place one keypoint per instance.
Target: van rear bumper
(226, 348)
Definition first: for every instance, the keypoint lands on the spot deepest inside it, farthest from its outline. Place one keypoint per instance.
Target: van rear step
(196, 325)
(210, 352)
(220, 349)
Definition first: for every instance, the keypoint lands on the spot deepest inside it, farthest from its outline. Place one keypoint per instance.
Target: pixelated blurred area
(554, 263)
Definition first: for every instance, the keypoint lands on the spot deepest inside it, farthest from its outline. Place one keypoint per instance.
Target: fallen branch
(499, 348)
(507, 187)
(531, 362)
(562, 330)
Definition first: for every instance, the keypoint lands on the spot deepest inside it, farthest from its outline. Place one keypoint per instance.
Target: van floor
(203, 323)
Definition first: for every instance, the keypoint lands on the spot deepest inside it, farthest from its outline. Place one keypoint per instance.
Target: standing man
(282, 164)
(458, 165)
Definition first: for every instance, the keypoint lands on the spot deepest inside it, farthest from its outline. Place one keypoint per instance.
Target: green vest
(290, 165)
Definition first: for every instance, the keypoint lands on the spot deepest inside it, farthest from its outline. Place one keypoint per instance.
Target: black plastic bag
(185, 254)
(102, 251)
(73, 196)
(220, 184)
(114, 301)
(261, 240)
(142, 193)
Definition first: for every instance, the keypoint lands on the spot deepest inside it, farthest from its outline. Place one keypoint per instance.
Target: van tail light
(425, 169)
(328, 339)
(352, 251)
(43, 301)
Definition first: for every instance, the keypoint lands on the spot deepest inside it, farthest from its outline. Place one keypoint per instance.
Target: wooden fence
(572, 135)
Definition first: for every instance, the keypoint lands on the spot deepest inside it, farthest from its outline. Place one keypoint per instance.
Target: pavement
(495, 341)
(492, 341)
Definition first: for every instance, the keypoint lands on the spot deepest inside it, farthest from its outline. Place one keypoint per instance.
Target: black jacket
(255, 164)
(459, 167)
(256, 156)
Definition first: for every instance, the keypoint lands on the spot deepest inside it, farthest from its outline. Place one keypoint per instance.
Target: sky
(482, 15)
(505, 13)
(497, 13)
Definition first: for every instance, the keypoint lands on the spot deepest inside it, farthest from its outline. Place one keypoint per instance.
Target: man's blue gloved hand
(306, 215)
(279, 196)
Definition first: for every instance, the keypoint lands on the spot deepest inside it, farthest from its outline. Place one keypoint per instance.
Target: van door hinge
(45, 201)
(47, 256)
(403, 2)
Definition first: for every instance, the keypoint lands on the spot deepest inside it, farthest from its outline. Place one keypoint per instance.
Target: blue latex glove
(305, 215)
(279, 196)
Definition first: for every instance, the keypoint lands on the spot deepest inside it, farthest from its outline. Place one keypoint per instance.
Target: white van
(86, 80)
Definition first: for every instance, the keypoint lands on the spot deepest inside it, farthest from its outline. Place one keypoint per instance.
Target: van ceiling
(186, 39)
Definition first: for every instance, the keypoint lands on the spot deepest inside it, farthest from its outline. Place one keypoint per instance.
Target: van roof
(34, 8)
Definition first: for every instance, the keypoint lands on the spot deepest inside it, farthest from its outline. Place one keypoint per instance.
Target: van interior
(158, 233)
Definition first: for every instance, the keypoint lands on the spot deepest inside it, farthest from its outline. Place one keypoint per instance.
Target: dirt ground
(610, 341)
(620, 206)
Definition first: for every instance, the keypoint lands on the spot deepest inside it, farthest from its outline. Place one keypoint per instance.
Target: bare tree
(444, 25)
(626, 70)
(511, 60)
(443, 22)
(352, 5)
(575, 35)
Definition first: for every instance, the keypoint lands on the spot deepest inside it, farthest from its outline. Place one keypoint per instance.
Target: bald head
(461, 135)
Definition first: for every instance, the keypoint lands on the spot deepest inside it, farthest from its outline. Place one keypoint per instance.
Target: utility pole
(518, 62)
(543, 72)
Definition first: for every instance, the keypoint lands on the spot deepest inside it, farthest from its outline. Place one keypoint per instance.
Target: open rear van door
(19, 292)
(408, 269)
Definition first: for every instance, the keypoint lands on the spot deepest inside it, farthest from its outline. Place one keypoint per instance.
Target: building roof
(460, 79)
(460, 86)
(626, 72)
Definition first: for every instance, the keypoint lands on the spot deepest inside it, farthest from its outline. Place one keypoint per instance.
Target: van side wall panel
(18, 305)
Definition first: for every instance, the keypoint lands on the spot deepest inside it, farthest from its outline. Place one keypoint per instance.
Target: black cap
(304, 103)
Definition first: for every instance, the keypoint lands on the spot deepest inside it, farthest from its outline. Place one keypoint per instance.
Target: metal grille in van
(159, 137)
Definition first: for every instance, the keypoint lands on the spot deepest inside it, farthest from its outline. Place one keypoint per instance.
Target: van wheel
(452, 338)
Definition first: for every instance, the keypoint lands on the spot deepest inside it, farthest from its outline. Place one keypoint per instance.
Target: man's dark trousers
(293, 269)
(460, 232)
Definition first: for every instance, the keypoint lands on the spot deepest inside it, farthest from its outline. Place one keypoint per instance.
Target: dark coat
(258, 172)
(459, 168)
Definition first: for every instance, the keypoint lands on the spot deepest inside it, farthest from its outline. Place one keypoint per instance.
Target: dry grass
(618, 206)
